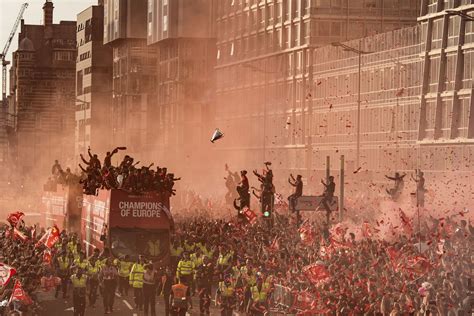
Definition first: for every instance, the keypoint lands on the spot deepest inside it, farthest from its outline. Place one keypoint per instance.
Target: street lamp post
(461, 14)
(360, 52)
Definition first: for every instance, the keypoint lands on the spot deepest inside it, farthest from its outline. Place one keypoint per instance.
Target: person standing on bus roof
(136, 281)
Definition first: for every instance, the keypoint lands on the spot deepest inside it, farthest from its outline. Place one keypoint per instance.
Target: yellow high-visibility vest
(136, 276)
(226, 291)
(124, 268)
(259, 296)
(63, 263)
(79, 282)
(185, 267)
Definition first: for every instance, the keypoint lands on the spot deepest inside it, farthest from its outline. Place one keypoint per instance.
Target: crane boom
(3, 55)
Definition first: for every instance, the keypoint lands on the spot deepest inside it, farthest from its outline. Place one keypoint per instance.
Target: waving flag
(316, 272)
(15, 218)
(49, 238)
(47, 258)
(6, 273)
(19, 295)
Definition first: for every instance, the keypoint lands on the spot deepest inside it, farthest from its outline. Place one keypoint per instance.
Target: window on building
(79, 82)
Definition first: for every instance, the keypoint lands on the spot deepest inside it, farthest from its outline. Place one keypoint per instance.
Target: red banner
(18, 294)
(50, 237)
(6, 273)
(15, 218)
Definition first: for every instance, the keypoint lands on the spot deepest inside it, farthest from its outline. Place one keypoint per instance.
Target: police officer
(185, 270)
(259, 306)
(79, 283)
(80, 262)
(136, 281)
(180, 299)
(63, 265)
(226, 297)
(93, 280)
(124, 265)
(204, 275)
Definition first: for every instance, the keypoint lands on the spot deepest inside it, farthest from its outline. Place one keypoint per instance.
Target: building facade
(133, 73)
(93, 84)
(266, 56)
(183, 34)
(42, 88)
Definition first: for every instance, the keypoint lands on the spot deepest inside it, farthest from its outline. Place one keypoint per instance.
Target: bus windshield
(153, 244)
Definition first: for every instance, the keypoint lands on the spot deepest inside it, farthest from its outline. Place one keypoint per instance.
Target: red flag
(6, 273)
(50, 237)
(249, 215)
(316, 273)
(47, 257)
(19, 235)
(53, 237)
(15, 218)
(18, 294)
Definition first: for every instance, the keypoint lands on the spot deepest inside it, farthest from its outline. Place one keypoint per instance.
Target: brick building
(42, 93)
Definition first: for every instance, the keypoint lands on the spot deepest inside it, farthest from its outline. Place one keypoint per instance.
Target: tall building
(134, 71)
(93, 84)
(183, 34)
(42, 87)
(448, 55)
(265, 59)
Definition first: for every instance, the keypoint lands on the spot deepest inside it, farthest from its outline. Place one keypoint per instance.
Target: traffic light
(266, 214)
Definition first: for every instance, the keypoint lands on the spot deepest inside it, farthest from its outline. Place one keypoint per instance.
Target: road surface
(123, 306)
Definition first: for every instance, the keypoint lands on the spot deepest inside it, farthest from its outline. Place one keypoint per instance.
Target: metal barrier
(287, 301)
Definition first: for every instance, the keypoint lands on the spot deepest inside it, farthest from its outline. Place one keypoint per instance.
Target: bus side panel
(95, 212)
(55, 206)
(74, 208)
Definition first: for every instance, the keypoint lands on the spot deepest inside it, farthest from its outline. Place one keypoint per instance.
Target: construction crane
(3, 55)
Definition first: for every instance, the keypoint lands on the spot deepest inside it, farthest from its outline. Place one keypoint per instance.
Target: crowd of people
(97, 175)
(256, 269)
(314, 267)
